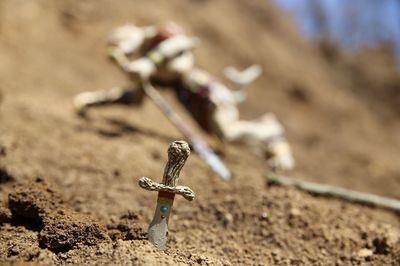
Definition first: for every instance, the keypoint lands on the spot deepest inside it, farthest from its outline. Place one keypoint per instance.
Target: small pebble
(228, 218)
(264, 216)
(295, 212)
(365, 252)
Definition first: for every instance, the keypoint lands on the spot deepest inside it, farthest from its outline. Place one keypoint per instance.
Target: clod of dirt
(33, 202)
(19, 242)
(127, 228)
(60, 229)
(5, 215)
(4, 175)
(63, 231)
(381, 246)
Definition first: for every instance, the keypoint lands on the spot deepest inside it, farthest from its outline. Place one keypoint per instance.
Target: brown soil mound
(69, 190)
(60, 229)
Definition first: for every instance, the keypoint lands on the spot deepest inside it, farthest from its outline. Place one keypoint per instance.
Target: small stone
(228, 218)
(294, 212)
(365, 252)
(264, 216)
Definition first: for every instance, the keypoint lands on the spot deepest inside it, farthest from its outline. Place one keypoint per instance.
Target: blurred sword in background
(334, 191)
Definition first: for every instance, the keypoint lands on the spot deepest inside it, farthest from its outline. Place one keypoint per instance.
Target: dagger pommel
(178, 152)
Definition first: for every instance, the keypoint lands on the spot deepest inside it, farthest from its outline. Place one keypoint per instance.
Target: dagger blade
(158, 228)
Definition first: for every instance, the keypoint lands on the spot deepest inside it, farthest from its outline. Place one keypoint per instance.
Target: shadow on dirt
(114, 128)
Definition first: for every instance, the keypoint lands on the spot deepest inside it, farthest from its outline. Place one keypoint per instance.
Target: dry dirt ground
(68, 187)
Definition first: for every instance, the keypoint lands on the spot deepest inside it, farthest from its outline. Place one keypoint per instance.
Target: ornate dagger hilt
(178, 152)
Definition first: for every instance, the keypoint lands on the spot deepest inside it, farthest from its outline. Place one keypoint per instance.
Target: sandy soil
(68, 187)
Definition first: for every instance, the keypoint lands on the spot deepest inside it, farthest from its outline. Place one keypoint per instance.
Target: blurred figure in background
(167, 59)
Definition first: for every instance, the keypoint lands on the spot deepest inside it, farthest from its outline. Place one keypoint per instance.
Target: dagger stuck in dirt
(178, 152)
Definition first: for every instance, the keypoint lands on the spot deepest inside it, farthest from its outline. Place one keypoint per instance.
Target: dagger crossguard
(178, 152)
(148, 184)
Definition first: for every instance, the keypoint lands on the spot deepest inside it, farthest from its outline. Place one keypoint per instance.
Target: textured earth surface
(68, 186)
